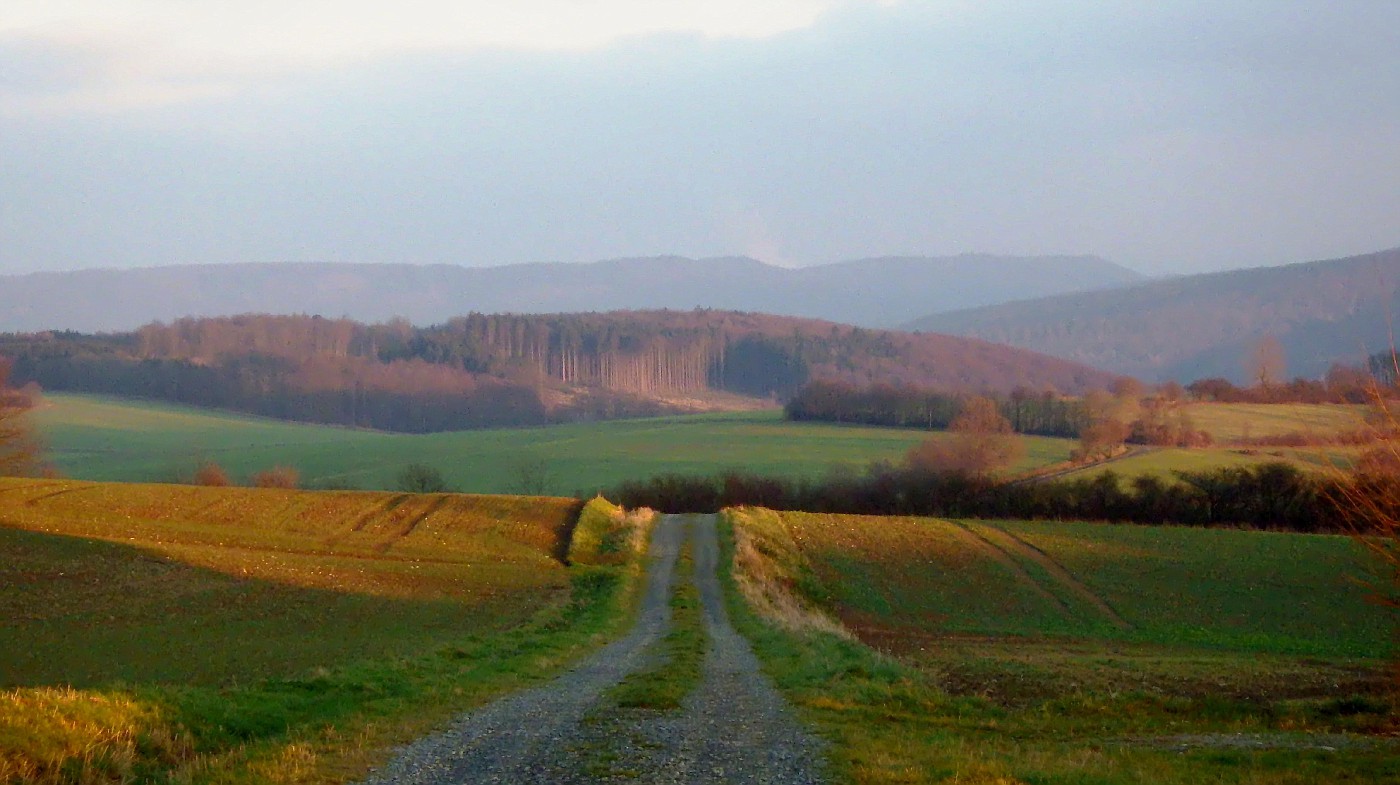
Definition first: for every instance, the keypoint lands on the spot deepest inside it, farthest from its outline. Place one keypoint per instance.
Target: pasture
(110, 439)
(1004, 651)
(1231, 422)
(251, 635)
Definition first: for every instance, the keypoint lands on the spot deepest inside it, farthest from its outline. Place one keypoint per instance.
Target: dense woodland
(501, 370)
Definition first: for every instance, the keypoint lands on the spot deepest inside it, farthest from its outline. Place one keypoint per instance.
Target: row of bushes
(413, 478)
(1267, 496)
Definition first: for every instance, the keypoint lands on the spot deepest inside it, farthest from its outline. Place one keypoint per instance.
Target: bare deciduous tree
(982, 442)
(1267, 362)
(532, 477)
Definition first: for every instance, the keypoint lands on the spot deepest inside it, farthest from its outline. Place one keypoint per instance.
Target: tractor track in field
(1010, 551)
(1011, 544)
(977, 541)
(734, 727)
(34, 501)
(434, 508)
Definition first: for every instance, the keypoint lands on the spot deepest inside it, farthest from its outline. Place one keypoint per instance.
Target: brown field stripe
(438, 503)
(27, 486)
(364, 519)
(1012, 544)
(977, 542)
(34, 501)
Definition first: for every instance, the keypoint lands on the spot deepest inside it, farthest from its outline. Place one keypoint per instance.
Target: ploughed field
(251, 635)
(113, 439)
(1077, 652)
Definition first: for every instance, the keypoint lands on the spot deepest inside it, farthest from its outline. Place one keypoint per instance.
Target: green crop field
(111, 439)
(1076, 652)
(251, 635)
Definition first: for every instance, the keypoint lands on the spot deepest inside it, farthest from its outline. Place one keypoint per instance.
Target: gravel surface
(734, 728)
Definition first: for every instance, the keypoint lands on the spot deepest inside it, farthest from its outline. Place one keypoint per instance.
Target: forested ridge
(1207, 325)
(495, 370)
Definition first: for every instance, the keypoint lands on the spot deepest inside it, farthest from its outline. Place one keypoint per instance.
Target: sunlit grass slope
(249, 635)
(1077, 652)
(244, 583)
(1228, 422)
(110, 439)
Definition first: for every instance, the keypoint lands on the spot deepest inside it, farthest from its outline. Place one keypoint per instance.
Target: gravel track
(734, 728)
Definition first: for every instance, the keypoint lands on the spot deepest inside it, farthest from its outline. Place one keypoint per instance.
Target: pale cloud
(324, 30)
(1185, 136)
(150, 53)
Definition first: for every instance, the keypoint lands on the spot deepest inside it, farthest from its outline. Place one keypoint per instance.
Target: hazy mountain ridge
(1204, 325)
(876, 292)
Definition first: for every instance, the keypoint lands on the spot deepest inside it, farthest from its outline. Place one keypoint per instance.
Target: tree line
(1275, 496)
(1046, 413)
(499, 370)
(478, 371)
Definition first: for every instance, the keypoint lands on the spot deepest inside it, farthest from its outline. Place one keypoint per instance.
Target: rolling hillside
(891, 290)
(152, 633)
(1061, 651)
(501, 370)
(1204, 325)
(94, 438)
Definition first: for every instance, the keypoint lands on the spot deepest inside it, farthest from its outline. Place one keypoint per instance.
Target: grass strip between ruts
(665, 684)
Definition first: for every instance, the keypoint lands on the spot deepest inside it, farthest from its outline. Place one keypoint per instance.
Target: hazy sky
(1169, 137)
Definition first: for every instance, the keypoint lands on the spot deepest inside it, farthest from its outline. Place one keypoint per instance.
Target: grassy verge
(1010, 709)
(132, 698)
(677, 672)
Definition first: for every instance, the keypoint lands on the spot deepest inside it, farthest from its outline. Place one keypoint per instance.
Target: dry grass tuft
(61, 735)
(766, 565)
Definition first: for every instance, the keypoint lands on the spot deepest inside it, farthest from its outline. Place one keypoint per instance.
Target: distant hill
(481, 370)
(1205, 325)
(869, 292)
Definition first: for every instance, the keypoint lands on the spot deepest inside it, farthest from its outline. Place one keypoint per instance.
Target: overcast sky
(1169, 137)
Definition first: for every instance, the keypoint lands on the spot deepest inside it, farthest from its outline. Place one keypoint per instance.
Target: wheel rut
(734, 727)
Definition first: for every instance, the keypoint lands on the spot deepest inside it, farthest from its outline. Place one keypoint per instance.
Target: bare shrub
(278, 477)
(981, 443)
(421, 478)
(211, 474)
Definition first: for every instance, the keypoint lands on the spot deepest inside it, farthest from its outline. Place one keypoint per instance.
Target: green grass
(1010, 652)
(242, 635)
(667, 681)
(111, 439)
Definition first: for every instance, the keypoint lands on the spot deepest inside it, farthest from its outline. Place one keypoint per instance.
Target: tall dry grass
(61, 735)
(768, 565)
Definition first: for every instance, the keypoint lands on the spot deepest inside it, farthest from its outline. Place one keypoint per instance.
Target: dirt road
(734, 727)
